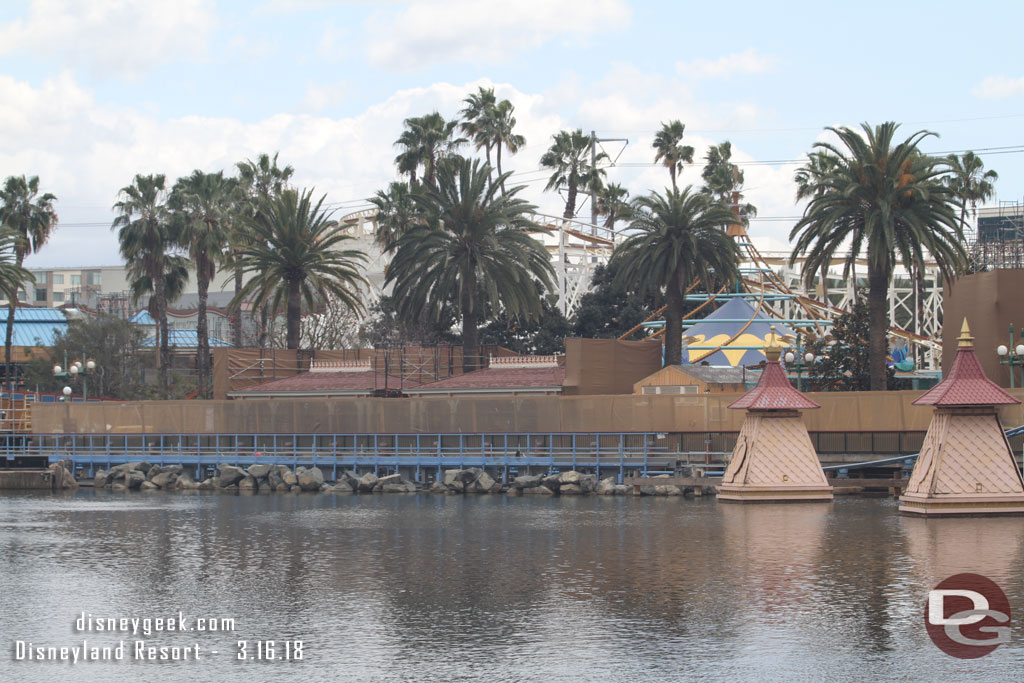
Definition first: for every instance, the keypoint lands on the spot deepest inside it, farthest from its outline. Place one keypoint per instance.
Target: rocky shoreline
(144, 476)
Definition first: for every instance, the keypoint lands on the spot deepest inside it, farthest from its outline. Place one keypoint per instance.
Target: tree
(384, 325)
(146, 236)
(204, 205)
(396, 213)
(543, 336)
(499, 126)
(474, 252)
(258, 182)
(611, 309)
(676, 239)
(723, 180)
(32, 218)
(887, 198)
(569, 156)
(613, 204)
(296, 256)
(841, 359)
(970, 182)
(668, 149)
(426, 140)
(808, 180)
(475, 116)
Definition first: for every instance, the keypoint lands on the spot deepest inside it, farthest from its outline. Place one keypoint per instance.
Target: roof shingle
(773, 392)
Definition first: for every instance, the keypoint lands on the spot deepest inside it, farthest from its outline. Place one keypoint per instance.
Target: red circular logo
(967, 616)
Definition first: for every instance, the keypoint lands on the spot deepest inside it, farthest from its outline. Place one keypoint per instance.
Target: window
(58, 278)
(668, 389)
(40, 295)
(92, 278)
(41, 278)
(76, 279)
(58, 297)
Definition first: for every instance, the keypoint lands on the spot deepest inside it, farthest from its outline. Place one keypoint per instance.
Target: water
(419, 587)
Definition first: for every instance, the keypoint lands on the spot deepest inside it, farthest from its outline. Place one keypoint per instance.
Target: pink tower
(966, 465)
(774, 459)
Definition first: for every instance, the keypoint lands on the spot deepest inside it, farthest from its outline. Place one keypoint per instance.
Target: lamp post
(1011, 355)
(799, 362)
(76, 369)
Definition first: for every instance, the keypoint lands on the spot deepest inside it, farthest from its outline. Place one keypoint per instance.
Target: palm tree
(295, 256)
(258, 182)
(474, 117)
(425, 140)
(204, 205)
(500, 127)
(569, 156)
(33, 219)
(888, 198)
(396, 213)
(676, 240)
(668, 149)
(970, 182)
(12, 276)
(474, 253)
(613, 203)
(145, 235)
(808, 180)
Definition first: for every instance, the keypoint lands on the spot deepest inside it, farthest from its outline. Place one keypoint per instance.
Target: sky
(93, 92)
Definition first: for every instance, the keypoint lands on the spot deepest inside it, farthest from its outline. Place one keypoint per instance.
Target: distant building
(328, 379)
(696, 379)
(506, 376)
(1001, 223)
(34, 329)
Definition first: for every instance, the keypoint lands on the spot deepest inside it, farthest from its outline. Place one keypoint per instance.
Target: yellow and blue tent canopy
(720, 327)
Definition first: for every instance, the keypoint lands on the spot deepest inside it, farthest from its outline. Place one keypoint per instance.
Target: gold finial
(965, 339)
(773, 350)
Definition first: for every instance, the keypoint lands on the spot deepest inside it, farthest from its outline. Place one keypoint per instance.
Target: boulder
(258, 471)
(134, 479)
(164, 480)
(367, 482)
(290, 478)
(588, 482)
(143, 466)
(570, 477)
(648, 490)
(527, 481)
(274, 478)
(67, 464)
(247, 483)
(606, 487)
(338, 488)
(623, 490)
(229, 474)
(295, 489)
(481, 484)
(282, 487)
(118, 486)
(207, 485)
(62, 478)
(263, 484)
(148, 486)
(438, 487)
(666, 490)
(539, 491)
(100, 479)
(570, 490)
(407, 487)
(551, 482)
(311, 479)
(185, 482)
(349, 479)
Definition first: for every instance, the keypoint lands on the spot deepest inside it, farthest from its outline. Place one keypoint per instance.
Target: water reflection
(444, 588)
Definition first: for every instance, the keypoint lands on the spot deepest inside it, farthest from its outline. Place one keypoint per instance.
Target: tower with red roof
(774, 459)
(966, 465)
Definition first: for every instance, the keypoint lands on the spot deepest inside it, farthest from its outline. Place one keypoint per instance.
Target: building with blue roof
(35, 327)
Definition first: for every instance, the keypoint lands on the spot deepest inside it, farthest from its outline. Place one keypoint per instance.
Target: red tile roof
(773, 392)
(965, 385)
(327, 382)
(500, 378)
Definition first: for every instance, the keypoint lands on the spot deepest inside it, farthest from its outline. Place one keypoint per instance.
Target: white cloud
(322, 96)
(746, 62)
(996, 87)
(432, 31)
(122, 37)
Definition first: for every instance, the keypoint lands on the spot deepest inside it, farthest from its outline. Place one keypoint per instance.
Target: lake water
(421, 587)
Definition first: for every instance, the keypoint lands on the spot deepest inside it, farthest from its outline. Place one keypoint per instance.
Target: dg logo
(968, 616)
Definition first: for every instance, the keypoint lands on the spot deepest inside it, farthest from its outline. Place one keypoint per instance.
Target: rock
(588, 482)
(408, 487)
(551, 482)
(527, 481)
(207, 485)
(99, 479)
(229, 474)
(570, 477)
(143, 466)
(290, 478)
(623, 490)
(62, 478)
(311, 479)
(606, 487)
(118, 486)
(258, 471)
(247, 483)
(67, 464)
(367, 482)
(164, 480)
(349, 479)
(263, 484)
(340, 487)
(438, 487)
(570, 490)
(274, 478)
(148, 486)
(185, 482)
(666, 490)
(282, 487)
(481, 484)
(648, 490)
(452, 476)
(539, 491)
(134, 479)
(295, 489)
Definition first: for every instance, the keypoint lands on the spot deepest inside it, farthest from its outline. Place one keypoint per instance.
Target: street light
(798, 363)
(1011, 355)
(67, 394)
(76, 369)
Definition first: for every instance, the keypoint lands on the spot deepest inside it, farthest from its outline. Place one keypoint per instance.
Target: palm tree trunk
(498, 157)
(236, 324)
(264, 323)
(570, 199)
(294, 313)
(11, 308)
(878, 319)
(673, 322)
(157, 276)
(202, 331)
(470, 334)
(672, 173)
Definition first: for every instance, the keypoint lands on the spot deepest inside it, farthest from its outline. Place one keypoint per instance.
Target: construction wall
(608, 366)
(841, 411)
(992, 301)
